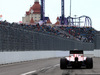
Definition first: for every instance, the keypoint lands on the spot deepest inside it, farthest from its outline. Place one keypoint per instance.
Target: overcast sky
(14, 10)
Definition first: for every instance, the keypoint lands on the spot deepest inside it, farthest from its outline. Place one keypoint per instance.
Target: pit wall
(18, 56)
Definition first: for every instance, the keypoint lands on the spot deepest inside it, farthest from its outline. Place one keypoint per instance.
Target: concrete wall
(12, 39)
(18, 56)
(97, 53)
(14, 56)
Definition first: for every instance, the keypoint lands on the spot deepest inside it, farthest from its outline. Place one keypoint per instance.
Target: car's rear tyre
(63, 63)
(89, 63)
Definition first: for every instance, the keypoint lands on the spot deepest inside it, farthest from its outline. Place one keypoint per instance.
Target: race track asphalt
(48, 66)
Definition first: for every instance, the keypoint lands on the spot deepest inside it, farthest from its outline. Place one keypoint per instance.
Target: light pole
(70, 8)
(75, 20)
(70, 14)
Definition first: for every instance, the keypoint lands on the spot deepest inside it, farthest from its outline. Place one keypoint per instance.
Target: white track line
(88, 74)
(56, 65)
(31, 72)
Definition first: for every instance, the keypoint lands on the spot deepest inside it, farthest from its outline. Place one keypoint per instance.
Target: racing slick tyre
(63, 63)
(89, 63)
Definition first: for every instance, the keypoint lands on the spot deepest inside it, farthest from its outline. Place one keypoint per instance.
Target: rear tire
(89, 63)
(63, 63)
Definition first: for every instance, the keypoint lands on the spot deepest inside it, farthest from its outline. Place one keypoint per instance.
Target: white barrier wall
(10, 57)
(97, 53)
(89, 53)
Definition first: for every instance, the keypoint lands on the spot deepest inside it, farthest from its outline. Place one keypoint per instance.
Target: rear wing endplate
(76, 51)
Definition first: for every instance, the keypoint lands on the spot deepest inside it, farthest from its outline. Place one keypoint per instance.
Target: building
(33, 16)
(34, 13)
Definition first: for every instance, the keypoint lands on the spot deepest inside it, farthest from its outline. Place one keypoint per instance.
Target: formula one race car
(76, 59)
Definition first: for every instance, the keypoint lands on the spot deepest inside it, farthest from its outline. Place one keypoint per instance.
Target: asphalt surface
(47, 67)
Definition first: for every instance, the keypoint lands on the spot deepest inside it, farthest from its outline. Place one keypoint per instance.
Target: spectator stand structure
(79, 27)
(15, 36)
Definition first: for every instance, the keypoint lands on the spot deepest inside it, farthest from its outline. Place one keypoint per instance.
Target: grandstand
(85, 34)
(23, 37)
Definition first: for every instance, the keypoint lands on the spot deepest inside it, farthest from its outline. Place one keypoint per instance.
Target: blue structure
(43, 10)
(69, 20)
(82, 20)
(62, 13)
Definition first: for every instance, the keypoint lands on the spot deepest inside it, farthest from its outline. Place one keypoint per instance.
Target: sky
(14, 10)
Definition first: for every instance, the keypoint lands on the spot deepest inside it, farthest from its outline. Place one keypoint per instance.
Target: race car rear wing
(76, 51)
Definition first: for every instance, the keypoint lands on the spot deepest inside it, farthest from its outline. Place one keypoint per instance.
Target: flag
(0, 16)
(20, 22)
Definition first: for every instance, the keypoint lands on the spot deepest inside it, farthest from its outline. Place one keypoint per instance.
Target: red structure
(36, 8)
(48, 21)
(32, 21)
(58, 22)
